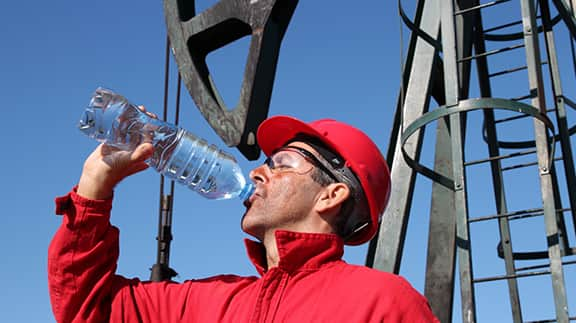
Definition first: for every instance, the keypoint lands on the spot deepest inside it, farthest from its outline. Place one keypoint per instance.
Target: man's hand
(107, 166)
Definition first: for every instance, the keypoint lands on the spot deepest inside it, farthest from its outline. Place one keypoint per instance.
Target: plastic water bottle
(179, 155)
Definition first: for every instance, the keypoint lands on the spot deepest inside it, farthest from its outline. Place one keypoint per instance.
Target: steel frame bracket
(464, 106)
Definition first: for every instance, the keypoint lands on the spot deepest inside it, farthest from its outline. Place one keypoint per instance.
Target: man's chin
(250, 230)
(245, 226)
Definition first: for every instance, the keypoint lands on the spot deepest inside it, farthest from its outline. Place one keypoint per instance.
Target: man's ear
(332, 197)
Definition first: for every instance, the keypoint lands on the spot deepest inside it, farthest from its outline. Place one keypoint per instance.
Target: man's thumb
(142, 152)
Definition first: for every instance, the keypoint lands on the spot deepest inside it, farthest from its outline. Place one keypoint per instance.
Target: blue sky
(337, 61)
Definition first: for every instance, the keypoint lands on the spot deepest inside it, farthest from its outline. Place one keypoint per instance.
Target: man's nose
(260, 173)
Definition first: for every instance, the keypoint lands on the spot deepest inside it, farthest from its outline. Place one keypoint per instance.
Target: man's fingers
(142, 152)
(151, 114)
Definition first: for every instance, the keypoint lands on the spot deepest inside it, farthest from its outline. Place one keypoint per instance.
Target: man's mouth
(248, 203)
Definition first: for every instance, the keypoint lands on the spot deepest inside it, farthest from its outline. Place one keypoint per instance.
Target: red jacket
(311, 283)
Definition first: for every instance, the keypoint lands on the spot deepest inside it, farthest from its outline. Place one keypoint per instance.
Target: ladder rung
(508, 71)
(522, 116)
(565, 263)
(512, 155)
(512, 70)
(517, 22)
(489, 4)
(516, 215)
(518, 166)
(524, 97)
(503, 277)
(492, 52)
(524, 213)
(571, 318)
(524, 216)
(526, 165)
(569, 102)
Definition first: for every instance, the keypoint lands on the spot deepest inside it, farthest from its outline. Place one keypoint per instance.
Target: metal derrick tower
(488, 76)
(516, 92)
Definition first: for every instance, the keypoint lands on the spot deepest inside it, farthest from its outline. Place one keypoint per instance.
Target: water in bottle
(179, 155)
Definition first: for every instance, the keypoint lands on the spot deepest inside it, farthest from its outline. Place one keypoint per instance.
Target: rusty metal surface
(193, 36)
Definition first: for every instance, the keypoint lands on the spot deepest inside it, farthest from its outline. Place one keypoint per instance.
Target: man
(324, 184)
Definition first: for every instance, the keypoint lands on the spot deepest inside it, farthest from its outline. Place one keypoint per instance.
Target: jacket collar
(298, 251)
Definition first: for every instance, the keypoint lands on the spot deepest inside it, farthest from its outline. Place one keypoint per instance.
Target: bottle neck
(247, 191)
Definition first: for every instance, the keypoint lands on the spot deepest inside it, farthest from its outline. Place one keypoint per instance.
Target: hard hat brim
(276, 131)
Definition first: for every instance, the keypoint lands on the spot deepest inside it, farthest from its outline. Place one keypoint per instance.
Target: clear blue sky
(338, 60)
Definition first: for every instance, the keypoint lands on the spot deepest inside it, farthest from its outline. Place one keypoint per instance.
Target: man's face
(284, 197)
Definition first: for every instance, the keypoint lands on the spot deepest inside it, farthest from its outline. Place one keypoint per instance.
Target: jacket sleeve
(84, 287)
(82, 260)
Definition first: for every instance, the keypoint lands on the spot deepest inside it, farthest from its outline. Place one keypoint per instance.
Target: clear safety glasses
(296, 160)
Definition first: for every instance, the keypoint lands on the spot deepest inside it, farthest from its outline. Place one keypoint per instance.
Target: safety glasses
(297, 160)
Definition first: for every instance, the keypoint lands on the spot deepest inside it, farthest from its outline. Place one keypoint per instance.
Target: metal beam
(497, 175)
(452, 87)
(389, 243)
(544, 159)
(441, 257)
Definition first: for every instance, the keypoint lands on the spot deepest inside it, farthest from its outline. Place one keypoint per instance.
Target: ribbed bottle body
(178, 154)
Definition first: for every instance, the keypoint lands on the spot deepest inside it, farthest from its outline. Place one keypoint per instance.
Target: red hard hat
(361, 154)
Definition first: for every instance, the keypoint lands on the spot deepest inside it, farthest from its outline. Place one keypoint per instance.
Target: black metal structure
(448, 41)
(161, 270)
(194, 36)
